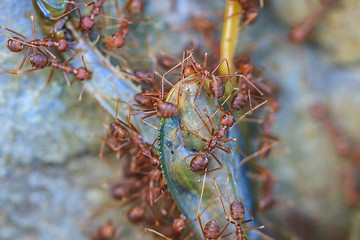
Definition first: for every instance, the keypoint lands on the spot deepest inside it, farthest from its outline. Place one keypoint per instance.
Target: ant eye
(113, 36)
(154, 163)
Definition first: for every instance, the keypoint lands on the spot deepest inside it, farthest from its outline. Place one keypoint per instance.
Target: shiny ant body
(236, 212)
(87, 22)
(16, 44)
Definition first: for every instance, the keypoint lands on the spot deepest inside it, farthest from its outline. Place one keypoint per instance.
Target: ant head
(116, 40)
(237, 210)
(107, 231)
(245, 68)
(227, 119)
(155, 161)
(86, 23)
(188, 70)
(96, 10)
(63, 45)
(82, 74)
(197, 66)
(136, 7)
(199, 163)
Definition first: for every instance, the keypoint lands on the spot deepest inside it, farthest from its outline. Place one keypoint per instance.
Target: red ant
(134, 6)
(160, 107)
(16, 44)
(86, 22)
(236, 212)
(117, 39)
(217, 85)
(200, 161)
(211, 230)
(106, 231)
(250, 11)
(345, 149)
(178, 227)
(40, 60)
(299, 33)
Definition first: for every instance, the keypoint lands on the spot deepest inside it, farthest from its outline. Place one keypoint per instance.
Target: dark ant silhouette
(298, 34)
(250, 11)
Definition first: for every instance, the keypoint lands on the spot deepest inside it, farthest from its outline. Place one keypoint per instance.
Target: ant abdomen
(15, 46)
(117, 131)
(239, 101)
(39, 60)
(217, 87)
(199, 163)
(237, 210)
(212, 229)
(166, 110)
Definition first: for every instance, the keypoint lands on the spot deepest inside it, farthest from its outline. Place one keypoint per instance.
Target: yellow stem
(230, 34)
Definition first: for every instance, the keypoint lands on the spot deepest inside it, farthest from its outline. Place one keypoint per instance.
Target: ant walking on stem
(156, 101)
(217, 85)
(236, 212)
(200, 161)
(87, 22)
(16, 44)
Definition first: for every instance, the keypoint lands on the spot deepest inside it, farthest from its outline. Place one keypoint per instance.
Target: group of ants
(144, 183)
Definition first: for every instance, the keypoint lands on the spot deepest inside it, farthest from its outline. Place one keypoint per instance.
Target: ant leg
(220, 107)
(196, 135)
(67, 61)
(252, 217)
(24, 59)
(147, 116)
(249, 112)
(198, 211)
(48, 51)
(82, 90)
(205, 61)
(219, 64)
(82, 55)
(202, 120)
(180, 85)
(221, 166)
(33, 29)
(7, 29)
(225, 150)
(49, 79)
(222, 203)
(156, 232)
(170, 70)
(67, 13)
(249, 20)
(67, 79)
(194, 154)
(151, 146)
(262, 150)
(247, 80)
